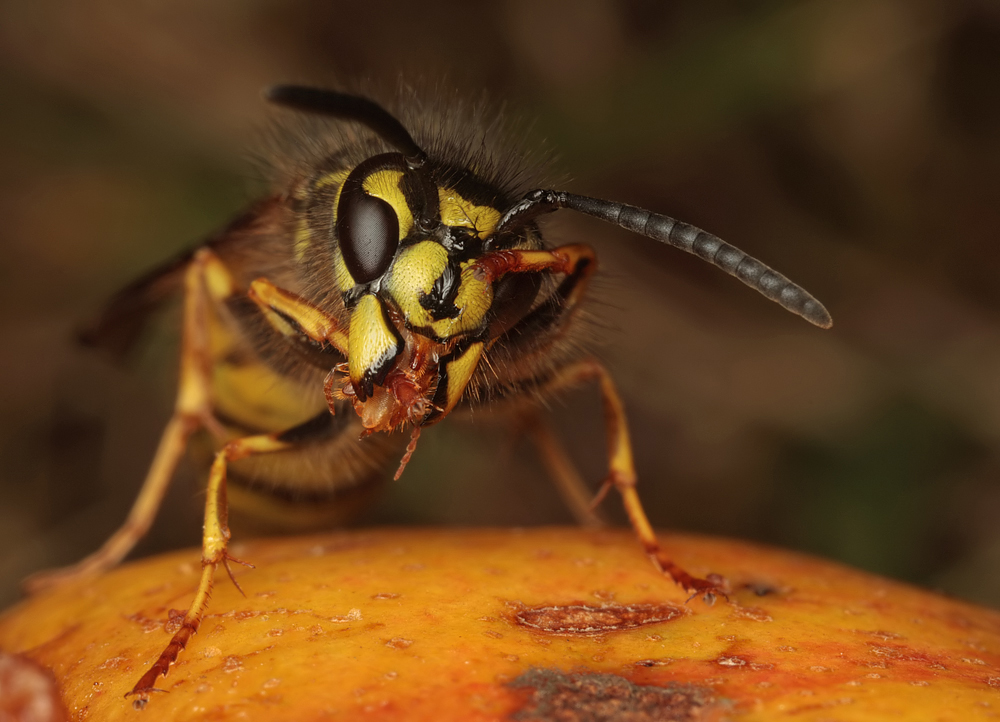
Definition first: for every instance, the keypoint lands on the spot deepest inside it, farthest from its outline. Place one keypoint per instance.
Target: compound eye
(368, 233)
(513, 296)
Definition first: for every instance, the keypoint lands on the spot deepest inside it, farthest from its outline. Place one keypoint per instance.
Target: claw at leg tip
(232, 577)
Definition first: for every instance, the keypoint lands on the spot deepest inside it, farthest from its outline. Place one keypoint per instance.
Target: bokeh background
(853, 144)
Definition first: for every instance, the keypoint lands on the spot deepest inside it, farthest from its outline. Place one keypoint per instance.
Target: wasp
(391, 281)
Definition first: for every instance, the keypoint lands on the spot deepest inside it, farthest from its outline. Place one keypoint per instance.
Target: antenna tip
(815, 313)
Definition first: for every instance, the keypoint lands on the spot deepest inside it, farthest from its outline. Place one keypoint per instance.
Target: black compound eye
(513, 296)
(368, 233)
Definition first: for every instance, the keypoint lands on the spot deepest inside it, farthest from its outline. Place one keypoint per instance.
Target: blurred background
(852, 144)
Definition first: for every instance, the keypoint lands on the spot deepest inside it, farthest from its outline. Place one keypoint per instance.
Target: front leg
(215, 539)
(294, 317)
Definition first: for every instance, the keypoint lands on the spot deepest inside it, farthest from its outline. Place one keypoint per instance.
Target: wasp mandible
(391, 280)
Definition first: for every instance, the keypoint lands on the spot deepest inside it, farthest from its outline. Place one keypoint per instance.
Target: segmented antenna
(679, 235)
(349, 107)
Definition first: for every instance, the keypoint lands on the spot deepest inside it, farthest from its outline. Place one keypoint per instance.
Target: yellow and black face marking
(384, 288)
(405, 242)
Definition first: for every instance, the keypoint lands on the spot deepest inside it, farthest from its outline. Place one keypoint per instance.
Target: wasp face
(408, 241)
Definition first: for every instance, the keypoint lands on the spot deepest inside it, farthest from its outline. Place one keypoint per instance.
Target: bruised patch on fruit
(890, 655)
(28, 691)
(589, 619)
(598, 697)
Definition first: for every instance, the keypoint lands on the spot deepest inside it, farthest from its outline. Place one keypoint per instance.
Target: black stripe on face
(421, 195)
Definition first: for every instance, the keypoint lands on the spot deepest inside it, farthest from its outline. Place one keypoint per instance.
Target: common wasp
(391, 280)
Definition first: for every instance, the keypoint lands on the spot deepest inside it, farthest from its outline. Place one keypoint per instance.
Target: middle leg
(564, 475)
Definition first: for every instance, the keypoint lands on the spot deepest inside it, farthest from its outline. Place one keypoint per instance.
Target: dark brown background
(855, 145)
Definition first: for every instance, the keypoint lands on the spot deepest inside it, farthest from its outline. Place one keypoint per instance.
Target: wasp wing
(125, 316)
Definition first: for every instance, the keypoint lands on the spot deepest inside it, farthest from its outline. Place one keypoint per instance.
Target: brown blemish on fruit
(145, 623)
(585, 619)
(654, 662)
(902, 653)
(28, 691)
(175, 618)
(584, 696)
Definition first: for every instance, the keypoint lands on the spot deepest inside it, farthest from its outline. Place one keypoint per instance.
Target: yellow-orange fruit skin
(449, 624)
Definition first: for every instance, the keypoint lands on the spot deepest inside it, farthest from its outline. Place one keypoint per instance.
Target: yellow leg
(213, 553)
(621, 474)
(291, 314)
(566, 478)
(206, 279)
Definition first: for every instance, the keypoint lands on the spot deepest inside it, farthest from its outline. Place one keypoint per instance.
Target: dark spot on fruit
(762, 589)
(590, 619)
(654, 662)
(28, 691)
(585, 697)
